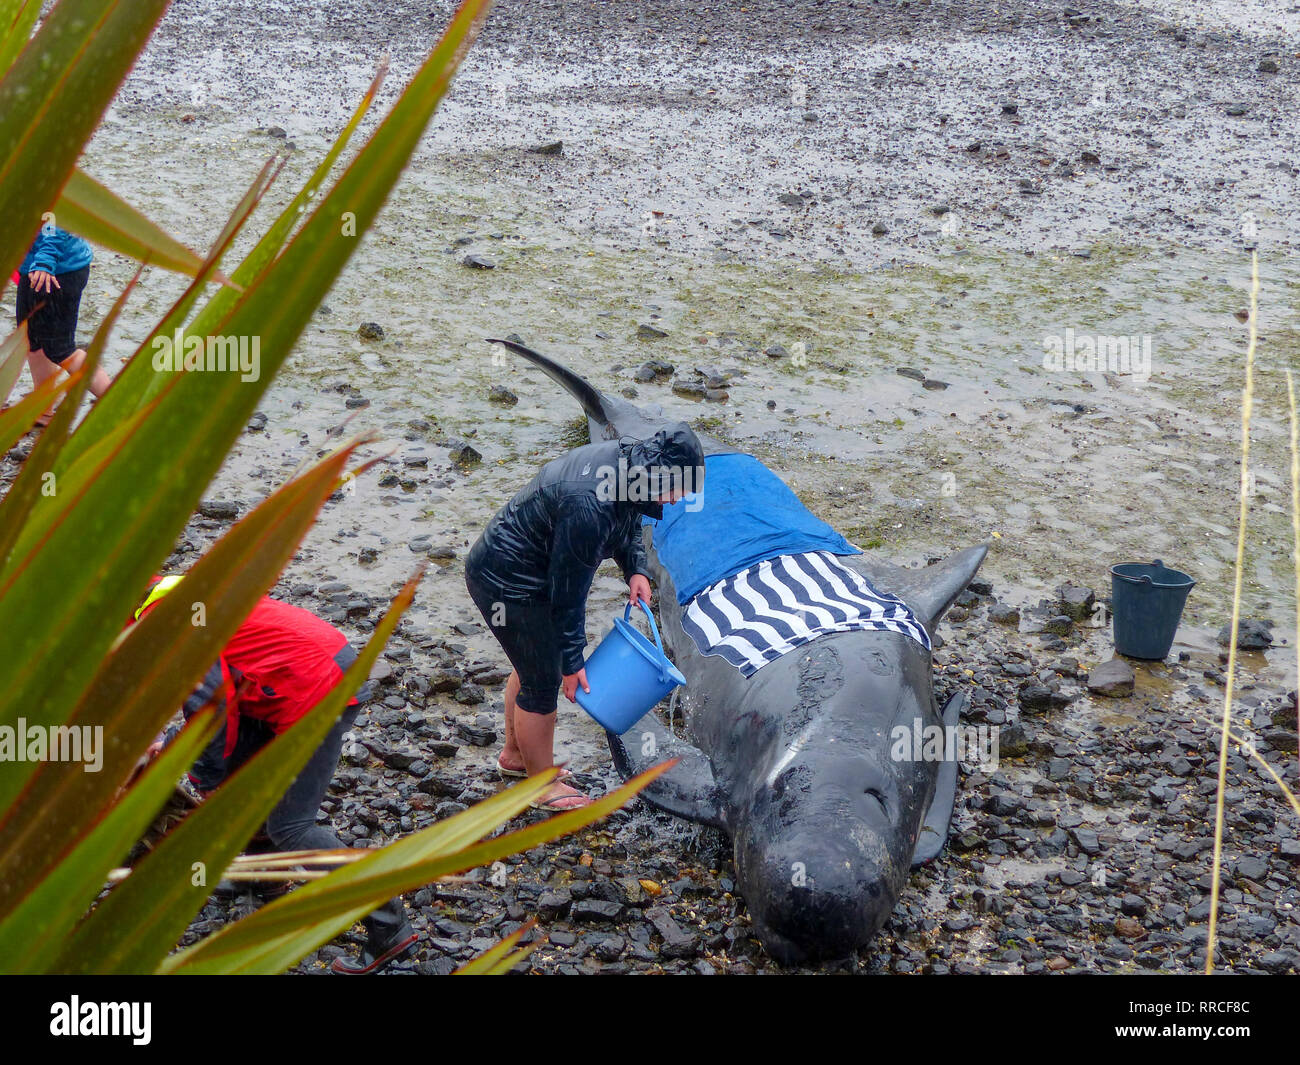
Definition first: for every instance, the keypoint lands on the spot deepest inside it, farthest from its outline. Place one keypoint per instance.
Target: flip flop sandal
(553, 805)
(522, 774)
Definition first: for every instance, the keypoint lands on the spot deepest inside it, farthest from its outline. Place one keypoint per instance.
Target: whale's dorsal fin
(687, 790)
(929, 591)
(592, 399)
(612, 416)
(608, 417)
(938, 815)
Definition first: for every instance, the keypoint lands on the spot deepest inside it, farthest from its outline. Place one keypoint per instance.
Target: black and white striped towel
(760, 613)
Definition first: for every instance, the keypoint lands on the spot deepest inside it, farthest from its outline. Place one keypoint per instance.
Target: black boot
(389, 936)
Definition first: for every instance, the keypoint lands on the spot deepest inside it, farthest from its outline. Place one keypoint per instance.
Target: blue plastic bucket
(1146, 604)
(627, 675)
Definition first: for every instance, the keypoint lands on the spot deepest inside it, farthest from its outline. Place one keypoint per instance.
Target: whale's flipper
(687, 790)
(929, 591)
(938, 818)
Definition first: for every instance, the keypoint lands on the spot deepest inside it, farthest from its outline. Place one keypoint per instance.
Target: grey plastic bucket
(1146, 603)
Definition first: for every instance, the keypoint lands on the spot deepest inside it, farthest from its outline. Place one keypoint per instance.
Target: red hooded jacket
(278, 665)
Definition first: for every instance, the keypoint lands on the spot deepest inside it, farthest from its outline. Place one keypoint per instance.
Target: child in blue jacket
(52, 278)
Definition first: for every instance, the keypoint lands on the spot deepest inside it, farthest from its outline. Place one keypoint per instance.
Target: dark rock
(1076, 603)
(1133, 905)
(1035, 698)
(553, 904)
(1252, 635)
(595, 910)
(441, 785)
(1281, 739)
(464, 455)
(1114, 679)
(907, 371)
(649, 332)
(470, 695)
(1280, 961)
(478, 262)
(610, 948)
(476, 734)
(1058, 625)
(677, 942)
(1013, 740)
(550, 148)
(370, 331)
(501, 394)
(219, 509)
(395, 759)
(1003, 614)
(442, 681)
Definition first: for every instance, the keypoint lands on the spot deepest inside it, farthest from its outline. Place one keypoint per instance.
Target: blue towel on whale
(748, 515)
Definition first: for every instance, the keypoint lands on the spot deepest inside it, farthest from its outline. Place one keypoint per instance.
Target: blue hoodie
(56, 251)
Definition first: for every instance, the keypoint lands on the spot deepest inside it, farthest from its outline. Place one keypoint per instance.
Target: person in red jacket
(278, 665)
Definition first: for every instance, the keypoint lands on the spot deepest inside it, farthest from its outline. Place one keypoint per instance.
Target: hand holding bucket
(627, 674)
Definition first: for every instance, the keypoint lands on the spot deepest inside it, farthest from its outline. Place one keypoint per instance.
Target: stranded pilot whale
(796, 761)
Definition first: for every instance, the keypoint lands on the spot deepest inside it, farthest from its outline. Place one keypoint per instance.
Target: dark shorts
(52, 316)
(527, 634)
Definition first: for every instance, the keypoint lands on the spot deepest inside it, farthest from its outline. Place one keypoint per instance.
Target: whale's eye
(879, 796)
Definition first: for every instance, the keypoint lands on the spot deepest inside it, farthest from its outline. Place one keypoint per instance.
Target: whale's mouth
(821, 896)
(786, 951)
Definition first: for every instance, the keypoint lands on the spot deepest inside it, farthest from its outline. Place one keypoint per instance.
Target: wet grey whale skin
(793, 763)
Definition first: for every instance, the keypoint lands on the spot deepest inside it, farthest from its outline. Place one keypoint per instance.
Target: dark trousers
(292, 825)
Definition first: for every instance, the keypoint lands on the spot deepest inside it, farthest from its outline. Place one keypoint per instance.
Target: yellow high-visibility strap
(157, 592)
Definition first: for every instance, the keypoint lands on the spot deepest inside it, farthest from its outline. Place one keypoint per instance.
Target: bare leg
(535, 737)
(42, 369)
(511, 756)
(99, 381)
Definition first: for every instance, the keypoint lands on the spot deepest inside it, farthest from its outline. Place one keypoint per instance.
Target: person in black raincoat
(530, 571)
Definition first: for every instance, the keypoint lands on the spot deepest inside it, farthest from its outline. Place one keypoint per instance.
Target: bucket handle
(1158, 565)
(654, 631)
